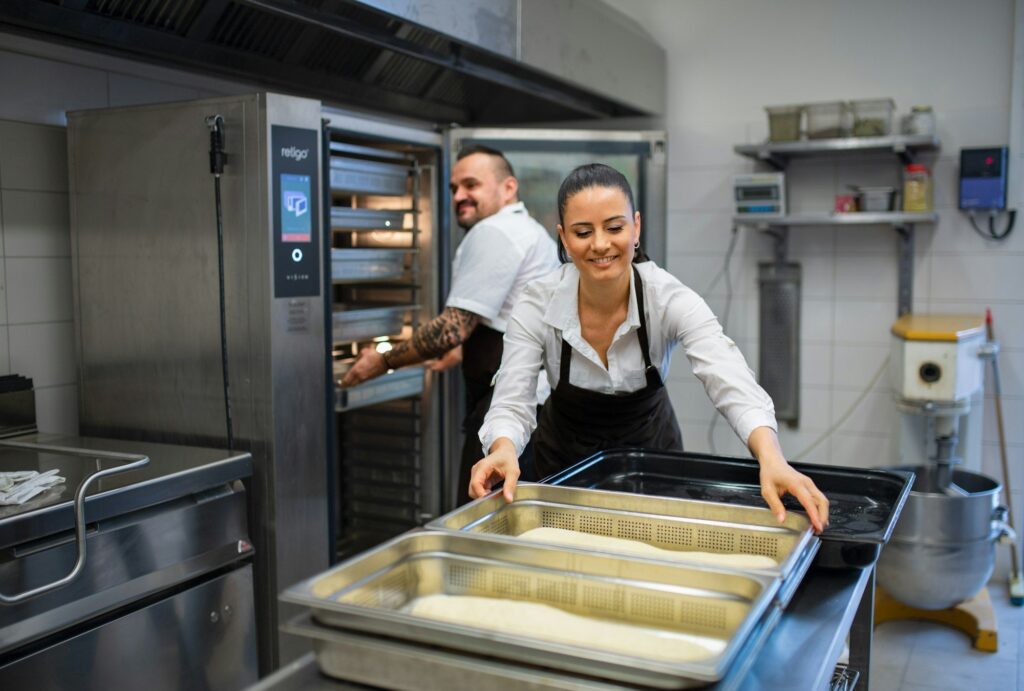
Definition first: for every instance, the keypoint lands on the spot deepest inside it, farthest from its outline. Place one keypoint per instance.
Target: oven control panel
(296, 211)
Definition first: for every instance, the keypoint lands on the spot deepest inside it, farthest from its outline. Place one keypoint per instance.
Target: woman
(604, 327)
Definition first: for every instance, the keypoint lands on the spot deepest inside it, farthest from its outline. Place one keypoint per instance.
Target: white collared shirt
(548, 312)
(493, 264)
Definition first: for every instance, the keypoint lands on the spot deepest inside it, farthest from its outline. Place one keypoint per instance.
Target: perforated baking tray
(359, 264)
(346, 218)
(373, 591)
(671, 524)
(358, 322)
(367, 177)
(400, 383)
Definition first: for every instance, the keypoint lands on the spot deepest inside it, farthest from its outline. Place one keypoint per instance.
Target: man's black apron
(576, 423)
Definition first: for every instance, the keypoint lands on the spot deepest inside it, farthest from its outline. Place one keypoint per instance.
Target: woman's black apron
(576, 423)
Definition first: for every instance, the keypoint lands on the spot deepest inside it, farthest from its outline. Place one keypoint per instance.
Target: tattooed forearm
(435, 338)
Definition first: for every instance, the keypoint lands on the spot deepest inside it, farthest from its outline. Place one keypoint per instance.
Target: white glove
(20, 486)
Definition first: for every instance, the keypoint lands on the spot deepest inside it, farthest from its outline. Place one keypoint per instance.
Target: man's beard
(466, 225)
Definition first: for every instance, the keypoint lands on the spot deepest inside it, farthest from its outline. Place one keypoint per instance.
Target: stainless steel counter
(161, 594)
(801, 653)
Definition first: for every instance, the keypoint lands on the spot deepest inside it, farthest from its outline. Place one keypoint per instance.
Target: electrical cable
(724, 271)
(217, 160)
(991, 233)
(846, 415)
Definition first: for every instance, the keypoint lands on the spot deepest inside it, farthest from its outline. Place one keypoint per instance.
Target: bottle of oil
(917, 188)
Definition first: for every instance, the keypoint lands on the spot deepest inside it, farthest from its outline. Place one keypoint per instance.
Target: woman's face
(600, 232)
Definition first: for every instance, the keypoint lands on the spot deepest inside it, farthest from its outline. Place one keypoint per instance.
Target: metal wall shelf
(777, 153)
(890, 218)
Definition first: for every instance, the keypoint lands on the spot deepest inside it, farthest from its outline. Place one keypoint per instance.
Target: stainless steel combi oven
(336, 237)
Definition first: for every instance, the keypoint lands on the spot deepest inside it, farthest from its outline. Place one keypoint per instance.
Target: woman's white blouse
(548, 311)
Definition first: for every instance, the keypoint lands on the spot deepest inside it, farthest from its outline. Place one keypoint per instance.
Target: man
(503, 250)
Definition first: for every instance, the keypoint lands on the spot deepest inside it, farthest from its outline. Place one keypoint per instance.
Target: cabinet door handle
(131, 462)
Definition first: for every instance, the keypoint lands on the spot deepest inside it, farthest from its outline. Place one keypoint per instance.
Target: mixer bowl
(942, 550)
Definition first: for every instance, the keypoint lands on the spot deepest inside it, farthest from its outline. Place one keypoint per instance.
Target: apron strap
(641, 334)
(563, 366)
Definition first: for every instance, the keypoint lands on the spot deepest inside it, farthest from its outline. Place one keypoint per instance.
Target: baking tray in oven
(359, 264)
(863, 504)
(373, 593)
(677, 526)
(359, 322)
(368, 177)
(399, 383)
(345, 218)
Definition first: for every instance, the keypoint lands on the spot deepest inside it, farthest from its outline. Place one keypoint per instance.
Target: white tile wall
(40, 82)
(839, 50)
(39, 289)
(45, 352)
(35, 224)
(39, 90)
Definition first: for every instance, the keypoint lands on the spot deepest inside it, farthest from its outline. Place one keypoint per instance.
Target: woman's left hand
(779, 478)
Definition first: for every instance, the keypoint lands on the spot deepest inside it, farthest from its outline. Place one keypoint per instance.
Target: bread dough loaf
(573, 538)
(552, 624)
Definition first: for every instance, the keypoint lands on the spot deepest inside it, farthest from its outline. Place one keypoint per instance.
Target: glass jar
(920, 120)
(917, 188)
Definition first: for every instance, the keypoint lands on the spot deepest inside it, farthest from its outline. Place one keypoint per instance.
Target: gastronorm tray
(863, 504)
(672, 524)
(399, 383)
(370, 593)
(357, 322)
(367, 177)
(361, 264)
(345, 218)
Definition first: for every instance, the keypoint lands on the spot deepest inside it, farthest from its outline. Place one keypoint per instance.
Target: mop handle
(990, 330)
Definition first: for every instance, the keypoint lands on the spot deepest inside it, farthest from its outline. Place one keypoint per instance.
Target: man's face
(477, 191)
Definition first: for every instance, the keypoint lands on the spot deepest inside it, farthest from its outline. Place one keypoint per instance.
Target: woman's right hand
(500, 464)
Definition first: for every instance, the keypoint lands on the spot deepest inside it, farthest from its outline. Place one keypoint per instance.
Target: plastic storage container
(784, 123)
(917, 188)
(872, 117)
(827, 120)
(880, 198)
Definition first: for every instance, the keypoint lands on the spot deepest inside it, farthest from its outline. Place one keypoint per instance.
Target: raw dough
(573, 538)
(552, 624)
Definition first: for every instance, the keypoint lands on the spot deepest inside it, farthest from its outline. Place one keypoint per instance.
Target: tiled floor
(920, 656)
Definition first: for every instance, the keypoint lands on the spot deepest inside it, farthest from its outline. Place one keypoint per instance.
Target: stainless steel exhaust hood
(466, 61)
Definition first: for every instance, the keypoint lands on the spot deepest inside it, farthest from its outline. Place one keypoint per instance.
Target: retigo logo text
(295, 153)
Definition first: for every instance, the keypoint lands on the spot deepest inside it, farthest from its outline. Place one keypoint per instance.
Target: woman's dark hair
(593, 175)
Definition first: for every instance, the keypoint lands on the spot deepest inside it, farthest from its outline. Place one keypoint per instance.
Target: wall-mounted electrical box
(983, 178)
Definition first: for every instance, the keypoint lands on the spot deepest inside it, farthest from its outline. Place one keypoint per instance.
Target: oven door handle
(131, 462)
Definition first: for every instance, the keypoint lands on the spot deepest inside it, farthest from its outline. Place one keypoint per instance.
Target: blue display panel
(296, 216)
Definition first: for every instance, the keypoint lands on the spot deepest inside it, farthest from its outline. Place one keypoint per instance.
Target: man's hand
(368, 365)
(450, 359)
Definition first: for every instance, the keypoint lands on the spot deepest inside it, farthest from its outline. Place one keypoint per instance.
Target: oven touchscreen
(296, 220)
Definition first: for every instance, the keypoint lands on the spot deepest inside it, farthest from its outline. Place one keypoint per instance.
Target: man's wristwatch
(384, 357)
